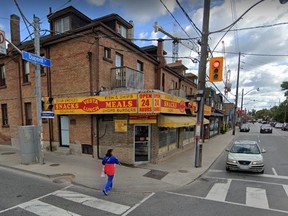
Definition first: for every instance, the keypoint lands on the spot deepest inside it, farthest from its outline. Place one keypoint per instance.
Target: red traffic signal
(216, 69)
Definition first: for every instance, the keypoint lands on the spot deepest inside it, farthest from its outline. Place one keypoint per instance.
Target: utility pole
(236, 100)
(202, 80)
(38, 89)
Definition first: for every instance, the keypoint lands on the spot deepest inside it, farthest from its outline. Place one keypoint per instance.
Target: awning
(205, 121)
(176, 121)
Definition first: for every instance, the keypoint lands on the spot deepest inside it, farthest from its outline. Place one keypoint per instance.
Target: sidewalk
(178, 170)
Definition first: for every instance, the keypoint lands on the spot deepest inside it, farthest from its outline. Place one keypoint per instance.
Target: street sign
(47, 114)
(36, 59)
(2, 43)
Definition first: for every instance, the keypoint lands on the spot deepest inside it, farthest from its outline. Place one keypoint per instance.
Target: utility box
(28, 144)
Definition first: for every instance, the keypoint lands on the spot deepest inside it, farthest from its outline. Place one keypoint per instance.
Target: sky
(260, 36)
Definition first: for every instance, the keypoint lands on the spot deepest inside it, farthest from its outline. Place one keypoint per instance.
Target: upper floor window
(2, 75)
(26, 72)
(62, 25)
(4, 115)
(43, 69)
(140, 66)
(107, 53)
(172, 84)
(122, 31)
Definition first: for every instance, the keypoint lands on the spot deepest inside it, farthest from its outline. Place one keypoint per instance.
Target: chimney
(131, 31)
(15, 29)
(160, 53)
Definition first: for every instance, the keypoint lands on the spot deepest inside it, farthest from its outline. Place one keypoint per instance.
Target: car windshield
(245, 149)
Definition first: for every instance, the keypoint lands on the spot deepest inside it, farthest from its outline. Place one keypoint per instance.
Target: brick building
(108, 92)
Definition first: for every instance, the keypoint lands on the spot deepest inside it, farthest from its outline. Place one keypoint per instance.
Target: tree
(284, 87)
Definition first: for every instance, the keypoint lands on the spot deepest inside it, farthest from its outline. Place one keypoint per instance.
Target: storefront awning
(176, 121)
(205, 121)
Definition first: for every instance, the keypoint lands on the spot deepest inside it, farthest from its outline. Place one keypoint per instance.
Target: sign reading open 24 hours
(36, 59)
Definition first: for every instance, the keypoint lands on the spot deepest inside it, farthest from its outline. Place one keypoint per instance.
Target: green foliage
(223, 129)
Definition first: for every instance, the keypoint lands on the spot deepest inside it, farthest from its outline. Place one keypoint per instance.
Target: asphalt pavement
(173, 172)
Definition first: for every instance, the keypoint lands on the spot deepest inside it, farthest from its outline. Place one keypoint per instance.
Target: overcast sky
(261, 36)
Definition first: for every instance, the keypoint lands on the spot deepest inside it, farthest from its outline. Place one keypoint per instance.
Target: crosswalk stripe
(256, 197)
(40, 208)
(286, 189)
(92, 202)
(219, 191)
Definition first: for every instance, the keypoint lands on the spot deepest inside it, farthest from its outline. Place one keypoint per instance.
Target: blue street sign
(47, 114)
(36, 59)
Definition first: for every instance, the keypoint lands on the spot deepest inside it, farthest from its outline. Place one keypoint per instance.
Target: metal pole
(236, 100)
(242, 105)
(202, 79)
(38, 89)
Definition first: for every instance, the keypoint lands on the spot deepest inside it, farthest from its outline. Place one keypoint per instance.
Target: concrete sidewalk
(178, 170)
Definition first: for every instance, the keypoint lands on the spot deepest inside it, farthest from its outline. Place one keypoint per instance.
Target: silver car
(245, 155)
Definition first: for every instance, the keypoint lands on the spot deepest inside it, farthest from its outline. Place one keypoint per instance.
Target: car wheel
(261, 172)
(227, 169)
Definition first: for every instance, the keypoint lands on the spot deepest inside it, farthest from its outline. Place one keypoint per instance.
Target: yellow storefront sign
(120, 125)
(122, 103)
(172, 104)
(207, 110)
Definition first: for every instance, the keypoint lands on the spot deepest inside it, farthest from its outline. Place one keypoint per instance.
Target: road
(216, 192)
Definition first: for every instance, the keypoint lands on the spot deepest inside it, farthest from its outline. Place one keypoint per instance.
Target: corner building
(108, 92)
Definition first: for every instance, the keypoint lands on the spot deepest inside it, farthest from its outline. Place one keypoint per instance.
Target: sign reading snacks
(172, 104)
(122, 103)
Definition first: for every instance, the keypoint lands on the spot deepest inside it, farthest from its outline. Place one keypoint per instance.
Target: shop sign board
(142, 119)
(172, 104)
(207, 110)
(120, 125)
(122, 103)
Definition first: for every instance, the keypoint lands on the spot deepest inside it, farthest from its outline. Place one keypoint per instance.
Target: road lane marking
(228, 202)
(274, 171)
(286, 189)
(38, 198)
(138, 204)
(93, 202)
(44, 209)
(219, 191)
(258, 175)
(256, 197)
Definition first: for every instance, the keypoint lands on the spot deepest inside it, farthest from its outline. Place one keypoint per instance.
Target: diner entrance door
(142, 143)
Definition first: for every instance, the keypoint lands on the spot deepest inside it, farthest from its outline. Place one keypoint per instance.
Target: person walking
(109, 162)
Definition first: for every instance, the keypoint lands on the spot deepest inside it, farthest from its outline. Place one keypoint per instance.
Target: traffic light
(216, 69)
(47, 104)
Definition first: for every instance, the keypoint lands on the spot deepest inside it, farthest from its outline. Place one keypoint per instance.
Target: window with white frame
(122, 31)
(26, 72)
(140, 66)
(62, 25)
(2, 75)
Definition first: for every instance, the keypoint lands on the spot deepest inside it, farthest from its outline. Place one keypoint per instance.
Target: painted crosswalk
(256, 197)
(40, 207)
(269, 196)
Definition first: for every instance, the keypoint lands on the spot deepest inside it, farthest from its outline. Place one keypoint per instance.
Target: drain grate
(156, 174)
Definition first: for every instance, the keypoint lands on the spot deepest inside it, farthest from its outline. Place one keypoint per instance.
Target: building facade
(107, 91)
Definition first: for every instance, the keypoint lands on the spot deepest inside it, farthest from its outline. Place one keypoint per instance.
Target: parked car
(284, 127)
(278, 125)
(245, 155)
(244, 128)
(265, 128)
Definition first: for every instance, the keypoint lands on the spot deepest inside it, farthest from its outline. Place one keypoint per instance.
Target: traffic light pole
(38, 90)
(202, 80)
